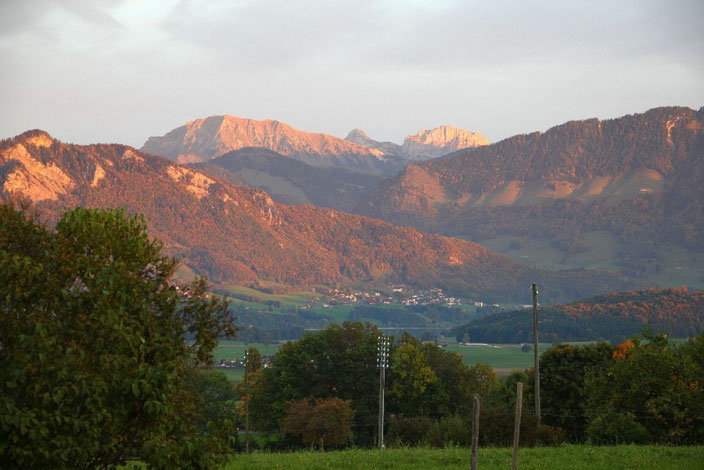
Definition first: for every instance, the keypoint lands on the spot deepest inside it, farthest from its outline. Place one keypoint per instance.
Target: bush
(496, 428)
(617, 428)
(448, 431)
(408, 431)
(320, 421)
(550, 436)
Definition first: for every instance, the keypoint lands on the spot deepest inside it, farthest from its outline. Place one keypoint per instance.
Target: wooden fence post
(517, 424)
(475, 431)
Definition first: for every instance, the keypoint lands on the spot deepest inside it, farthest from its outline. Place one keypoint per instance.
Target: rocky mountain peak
(36, 137)
(204, 139)
(356, 134)
(431, 143)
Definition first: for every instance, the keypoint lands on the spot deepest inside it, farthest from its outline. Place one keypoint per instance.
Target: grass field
(233, 375)
(505, 357)
(566, 457)
(229, 350)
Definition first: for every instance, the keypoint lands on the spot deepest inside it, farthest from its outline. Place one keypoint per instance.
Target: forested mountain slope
(290, 181)
(636, 179)
(676, 312)
(236, 234)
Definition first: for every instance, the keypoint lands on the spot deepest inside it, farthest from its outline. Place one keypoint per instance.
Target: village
(401, 294)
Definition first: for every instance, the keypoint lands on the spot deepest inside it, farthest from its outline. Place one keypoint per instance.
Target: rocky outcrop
(358, 136)
(433, 143)
(426, 144)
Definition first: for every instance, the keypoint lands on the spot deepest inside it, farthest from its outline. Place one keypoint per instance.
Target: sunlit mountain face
(239, 235)
(622, 193)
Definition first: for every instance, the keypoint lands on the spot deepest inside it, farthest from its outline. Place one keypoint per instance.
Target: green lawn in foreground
(566, 457)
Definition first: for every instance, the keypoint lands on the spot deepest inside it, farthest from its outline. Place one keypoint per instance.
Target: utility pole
(382, 362)
(536, 362)
(246, 402)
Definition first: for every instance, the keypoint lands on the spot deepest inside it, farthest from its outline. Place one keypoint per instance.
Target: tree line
(645, 390)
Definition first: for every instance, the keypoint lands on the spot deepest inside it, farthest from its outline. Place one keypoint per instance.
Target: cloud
(127, 69)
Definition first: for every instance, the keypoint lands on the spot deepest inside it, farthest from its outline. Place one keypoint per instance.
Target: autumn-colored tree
(656, 387)
(320, 421)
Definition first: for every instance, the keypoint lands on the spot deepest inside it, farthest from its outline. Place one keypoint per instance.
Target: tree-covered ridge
(236, 234)
(638, 177)
(290, 181)
(577, 151)
(675, 312)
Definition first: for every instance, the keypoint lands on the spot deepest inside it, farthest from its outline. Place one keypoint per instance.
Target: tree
(320, 421)
(94, 361)
(654, 385)
(254, 360)
(563, 369)
(339, 361)
(216, 398)
(411, 378)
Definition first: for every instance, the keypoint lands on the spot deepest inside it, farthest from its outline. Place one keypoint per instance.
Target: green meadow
(575, 457)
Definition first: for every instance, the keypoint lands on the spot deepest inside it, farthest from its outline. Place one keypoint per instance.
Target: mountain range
(239, 235)
(204, 139)
(621, 193)
(426, 144)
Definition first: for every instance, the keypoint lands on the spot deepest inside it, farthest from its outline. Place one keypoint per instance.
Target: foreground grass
(566, 457)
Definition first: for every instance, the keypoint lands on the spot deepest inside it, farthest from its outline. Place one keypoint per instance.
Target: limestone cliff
(204, 139)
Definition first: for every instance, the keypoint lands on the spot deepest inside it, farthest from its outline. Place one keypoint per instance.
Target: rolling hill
(239, 235)
(676, 312)
(629, 186)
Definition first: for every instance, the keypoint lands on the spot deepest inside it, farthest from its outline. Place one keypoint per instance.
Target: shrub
(320, 421)
(550, 436)
(408, 431)
(448, 431)
(617, 428)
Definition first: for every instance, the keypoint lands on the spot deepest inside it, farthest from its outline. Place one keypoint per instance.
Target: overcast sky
(120, 71)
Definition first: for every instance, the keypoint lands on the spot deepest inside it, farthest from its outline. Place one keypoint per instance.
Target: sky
(89, 71)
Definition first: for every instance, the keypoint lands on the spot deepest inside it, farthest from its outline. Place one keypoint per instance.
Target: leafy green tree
(94, 361)
(411, 380)
(453, 392)
(216, 398)
(563, 369)
(320, 421)
(254, 360)
(339, 361)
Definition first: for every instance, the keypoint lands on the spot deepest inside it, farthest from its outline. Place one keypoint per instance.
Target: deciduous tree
(93, 349)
